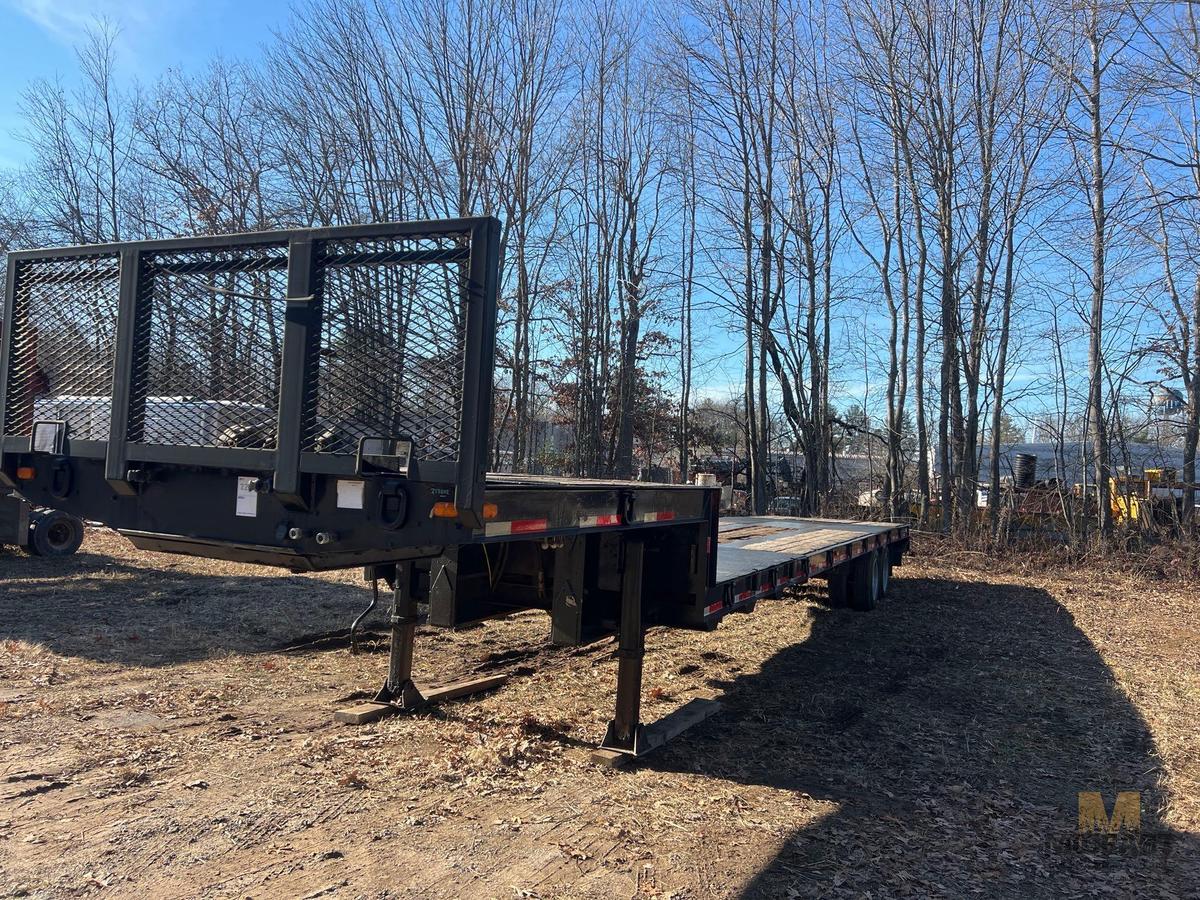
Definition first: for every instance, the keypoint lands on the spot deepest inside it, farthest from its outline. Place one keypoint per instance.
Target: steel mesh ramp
(60, 342)
(282, 352)
(393, 347)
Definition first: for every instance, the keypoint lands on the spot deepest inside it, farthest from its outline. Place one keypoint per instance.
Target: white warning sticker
(247, 497)
(350, 495)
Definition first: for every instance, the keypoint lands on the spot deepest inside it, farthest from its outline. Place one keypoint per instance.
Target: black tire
(54, 533)
(838, 587)
(862, 588)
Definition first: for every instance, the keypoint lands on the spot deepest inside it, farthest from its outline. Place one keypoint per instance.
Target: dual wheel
(860, 583)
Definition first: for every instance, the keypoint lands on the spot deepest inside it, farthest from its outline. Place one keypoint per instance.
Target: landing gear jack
(627, 738)
(400, 693)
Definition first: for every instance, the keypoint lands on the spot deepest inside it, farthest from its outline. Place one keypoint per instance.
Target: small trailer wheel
(862, 588)
(54, 533)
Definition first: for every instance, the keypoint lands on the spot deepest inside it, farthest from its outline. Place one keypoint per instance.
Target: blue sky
(37, 38)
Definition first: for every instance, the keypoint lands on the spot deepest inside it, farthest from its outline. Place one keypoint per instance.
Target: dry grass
(156, 742)
(1157, 556)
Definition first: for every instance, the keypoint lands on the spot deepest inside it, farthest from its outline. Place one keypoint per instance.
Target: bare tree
(798, 340)
(885, 179)
(1088, 57)
(735, 61)
(1035, 112)
(81, 146)
(204, 146)
(1170, 157)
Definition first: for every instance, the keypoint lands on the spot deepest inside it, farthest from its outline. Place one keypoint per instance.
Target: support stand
(399, 690)
(625, 733)
(626, 737)
(400, 693)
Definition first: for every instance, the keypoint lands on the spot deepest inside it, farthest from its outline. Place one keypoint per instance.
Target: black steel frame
(303, 320)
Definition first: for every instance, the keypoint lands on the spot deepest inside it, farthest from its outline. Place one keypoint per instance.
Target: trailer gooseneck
(322, 398)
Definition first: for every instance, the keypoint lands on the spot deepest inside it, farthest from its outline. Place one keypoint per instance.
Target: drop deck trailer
(323, 398)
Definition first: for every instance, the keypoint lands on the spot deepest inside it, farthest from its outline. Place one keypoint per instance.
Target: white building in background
(1072, 462)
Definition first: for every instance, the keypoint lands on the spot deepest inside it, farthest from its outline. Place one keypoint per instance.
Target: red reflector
(523, 526)
(599, 521)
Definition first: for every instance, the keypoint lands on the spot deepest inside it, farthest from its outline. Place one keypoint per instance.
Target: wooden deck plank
(749, 531)
(806, 543)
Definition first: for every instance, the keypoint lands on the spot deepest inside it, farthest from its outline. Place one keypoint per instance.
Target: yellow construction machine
(1154, 497)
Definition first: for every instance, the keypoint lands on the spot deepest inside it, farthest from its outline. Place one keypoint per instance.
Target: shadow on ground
(953, 728)
(950, 731)
(95, 606)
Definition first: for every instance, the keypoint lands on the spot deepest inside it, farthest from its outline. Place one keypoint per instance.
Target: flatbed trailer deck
(760, 556)
(321, 399)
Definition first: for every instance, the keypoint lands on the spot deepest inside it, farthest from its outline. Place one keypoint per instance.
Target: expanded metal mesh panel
(210, 347)
(392, 344)
(379, 350)
(63, 334)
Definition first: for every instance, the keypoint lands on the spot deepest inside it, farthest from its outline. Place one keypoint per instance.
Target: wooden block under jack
(655, 735)
(362, 713)
(611, 759)
(462, 688)
(373, 710)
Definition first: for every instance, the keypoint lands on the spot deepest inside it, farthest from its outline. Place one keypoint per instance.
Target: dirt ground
(158, 740)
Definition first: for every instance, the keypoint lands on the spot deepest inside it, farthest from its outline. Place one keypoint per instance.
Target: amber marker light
(26, 473)
(444, 510)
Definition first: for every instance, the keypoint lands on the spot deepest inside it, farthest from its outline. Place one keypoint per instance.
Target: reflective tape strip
(599, 521)
(520, 526)
(713, 608)
(664, 516)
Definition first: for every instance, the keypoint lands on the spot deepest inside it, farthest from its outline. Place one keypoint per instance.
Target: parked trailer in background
(360, 360)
